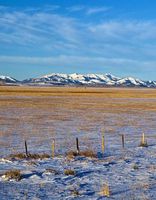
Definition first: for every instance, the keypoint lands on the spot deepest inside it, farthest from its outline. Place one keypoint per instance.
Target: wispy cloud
(41, 28)
(139, 30)
(76, 8)
(88, 10)
(59, 28)
(51, 30)
(71, 41)
(80, 61)
(97, 10)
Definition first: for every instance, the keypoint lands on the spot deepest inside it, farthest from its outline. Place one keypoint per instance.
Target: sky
(39, 37)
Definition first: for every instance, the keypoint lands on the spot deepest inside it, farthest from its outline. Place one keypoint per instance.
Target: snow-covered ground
(130, 174)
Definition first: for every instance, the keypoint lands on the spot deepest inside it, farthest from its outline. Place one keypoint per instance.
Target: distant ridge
(56, 79)
(89, 80)
(7, 79)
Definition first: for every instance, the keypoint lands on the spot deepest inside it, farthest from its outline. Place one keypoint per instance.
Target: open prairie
(39, 115)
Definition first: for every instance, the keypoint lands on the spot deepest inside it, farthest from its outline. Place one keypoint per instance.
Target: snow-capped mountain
(89, 79)
(129, 81)
(74, 79)
(81, 80)
(7, 79)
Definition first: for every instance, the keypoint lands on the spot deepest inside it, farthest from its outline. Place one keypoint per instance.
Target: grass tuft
(105, 191)
(135, 167)
(52, 171)
(30, 156)
(13, 174)
(75, 192)
(143, 144)
(68, 172)
(87, 153)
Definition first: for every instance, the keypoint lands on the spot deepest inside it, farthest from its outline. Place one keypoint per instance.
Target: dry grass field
(79, 91)
(38, 114)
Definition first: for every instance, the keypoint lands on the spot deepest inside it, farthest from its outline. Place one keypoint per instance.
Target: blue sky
(84, 36)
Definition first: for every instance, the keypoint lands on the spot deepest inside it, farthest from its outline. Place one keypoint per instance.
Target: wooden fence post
(26, 149)
(77, 146)
(143, 141)
(123, 141)
(103, 143)
(53, 148)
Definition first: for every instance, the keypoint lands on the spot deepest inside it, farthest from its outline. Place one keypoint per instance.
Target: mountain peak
(7, 79)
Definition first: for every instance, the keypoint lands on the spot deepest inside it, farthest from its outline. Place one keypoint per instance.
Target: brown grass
(87, 153)
(33, 113)
(143, 144)
(79, 91)
(71, 98)
(13, 174)
(52, 171)
(105, 191)
(30, 156)
(71, 154)
(68, 172)
(135, 167)
(75, 192)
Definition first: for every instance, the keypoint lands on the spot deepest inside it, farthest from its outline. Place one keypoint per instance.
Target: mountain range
(75, 79)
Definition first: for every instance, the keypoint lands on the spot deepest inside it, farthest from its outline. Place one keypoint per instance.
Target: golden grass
(71, 97)
(69, 172)
(87, 153)
(143, 144)
(75, 192)
(71, 154)
(105, 191)
(35, 113)
(52, 171)
(30, 156)
(78, 91)
(13, 174)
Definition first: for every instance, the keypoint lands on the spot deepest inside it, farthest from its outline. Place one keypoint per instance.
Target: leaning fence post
(103, 143)
(26, 149)
(123, 140)
(77, 146)
(53, 148)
